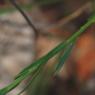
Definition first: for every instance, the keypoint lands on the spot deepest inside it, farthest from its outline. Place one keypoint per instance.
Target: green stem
(45, 58)
(61, 46)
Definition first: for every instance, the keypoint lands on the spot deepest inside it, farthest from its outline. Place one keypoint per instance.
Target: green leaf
(5, 90)
(32, 79)
(58, 48)
(43, 60)
(64, 57)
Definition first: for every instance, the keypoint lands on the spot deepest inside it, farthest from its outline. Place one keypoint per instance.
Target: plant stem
(45, 58)
(14, 3)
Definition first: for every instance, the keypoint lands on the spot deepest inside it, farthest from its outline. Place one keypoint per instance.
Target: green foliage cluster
(36, 69)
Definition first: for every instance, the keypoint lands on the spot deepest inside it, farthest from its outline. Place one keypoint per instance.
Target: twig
(14, 3)
(70, 17)
(75, 14)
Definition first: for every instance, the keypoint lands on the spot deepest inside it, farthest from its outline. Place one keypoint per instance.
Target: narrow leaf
(64, 57)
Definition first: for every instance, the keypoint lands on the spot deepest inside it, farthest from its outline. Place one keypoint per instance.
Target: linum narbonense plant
(41, 77)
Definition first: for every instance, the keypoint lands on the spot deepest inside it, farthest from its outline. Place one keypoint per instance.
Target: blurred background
(55, 21)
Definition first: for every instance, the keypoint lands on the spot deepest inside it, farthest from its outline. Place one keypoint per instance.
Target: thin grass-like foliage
(43, 60)
(35, 68)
